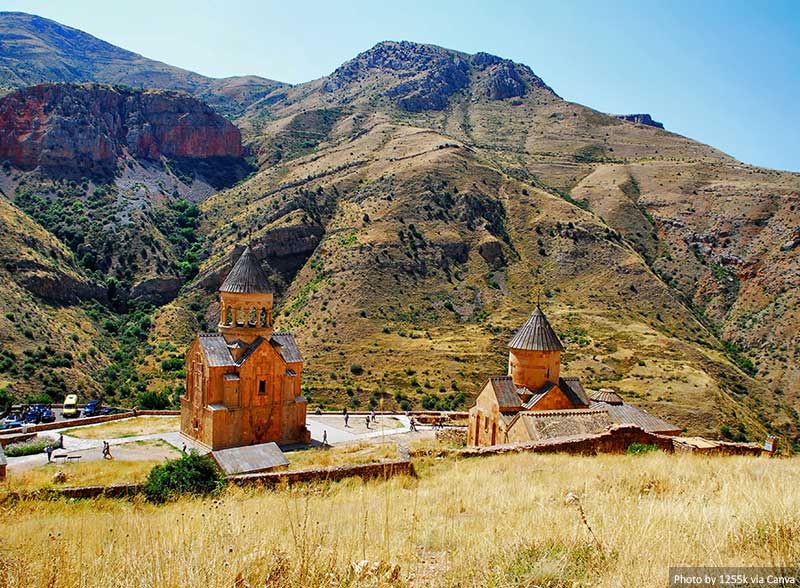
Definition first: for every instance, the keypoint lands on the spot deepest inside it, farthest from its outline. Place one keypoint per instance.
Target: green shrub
(192, 473)
(30, 447)
(151, 400)
(6, 400)
(641, 448)
(356, 369)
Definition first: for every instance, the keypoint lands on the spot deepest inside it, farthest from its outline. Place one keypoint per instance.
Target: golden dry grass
(350, 454)
(500, 521)
(132, 427)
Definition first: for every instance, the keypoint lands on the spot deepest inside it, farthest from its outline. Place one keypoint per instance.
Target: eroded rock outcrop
(642, 119)
(85, 130)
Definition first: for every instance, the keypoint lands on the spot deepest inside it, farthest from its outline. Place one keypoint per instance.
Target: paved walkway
(338, 434)
(317, 424)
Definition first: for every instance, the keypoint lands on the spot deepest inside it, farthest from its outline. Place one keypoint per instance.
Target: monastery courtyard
(157, 438)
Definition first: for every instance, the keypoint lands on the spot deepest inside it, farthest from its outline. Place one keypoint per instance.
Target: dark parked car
(48, 416)
(94, 408)
(33, 415)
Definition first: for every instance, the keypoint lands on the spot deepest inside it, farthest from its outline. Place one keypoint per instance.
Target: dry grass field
(132, 427)
(340, 455)
(501, 521)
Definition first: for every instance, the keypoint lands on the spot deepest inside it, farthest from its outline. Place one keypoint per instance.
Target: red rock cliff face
(85, 129)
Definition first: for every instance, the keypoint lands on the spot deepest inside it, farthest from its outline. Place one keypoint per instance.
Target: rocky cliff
(641, 119)
(69, 130)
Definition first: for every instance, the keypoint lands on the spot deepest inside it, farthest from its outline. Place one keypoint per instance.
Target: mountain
(417, 200)
(412, 206)
(35, 49)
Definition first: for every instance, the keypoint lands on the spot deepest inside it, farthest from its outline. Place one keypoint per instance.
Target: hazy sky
(726, 73)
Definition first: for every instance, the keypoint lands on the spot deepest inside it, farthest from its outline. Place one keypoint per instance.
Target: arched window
(239, 317)
(251, 319)
(263, 317)
(229, 316)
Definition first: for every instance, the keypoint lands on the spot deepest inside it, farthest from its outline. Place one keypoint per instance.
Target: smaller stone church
(243, 382)
(534, 402)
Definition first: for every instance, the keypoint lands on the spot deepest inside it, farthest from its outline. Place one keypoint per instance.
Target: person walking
(412, 424)
(107, 450)
(49, 451)
(324, 438)
(367, 419)
(346, 419)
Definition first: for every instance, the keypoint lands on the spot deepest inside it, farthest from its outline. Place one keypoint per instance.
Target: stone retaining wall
(369, 471)
(15, 438)
(720, 448)
(615, 439)
(455, 436)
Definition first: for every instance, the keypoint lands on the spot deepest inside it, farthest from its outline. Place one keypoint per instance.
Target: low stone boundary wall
(369, 471)
(15, 438)
(616, 439)
(719, 448)
(456, 436)
(79, 492)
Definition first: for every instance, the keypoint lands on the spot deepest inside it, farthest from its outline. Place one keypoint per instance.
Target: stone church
(534, 402)
(243, 382)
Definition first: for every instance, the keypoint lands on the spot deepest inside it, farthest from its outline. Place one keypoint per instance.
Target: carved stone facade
(243, 383)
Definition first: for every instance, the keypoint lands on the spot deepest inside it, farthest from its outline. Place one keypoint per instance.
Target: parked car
(71, 407)
(12, 421)
(93, 408)
(48, 416)
(33, 414)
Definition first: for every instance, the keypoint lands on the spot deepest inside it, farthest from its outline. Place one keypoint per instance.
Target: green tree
(192, 473)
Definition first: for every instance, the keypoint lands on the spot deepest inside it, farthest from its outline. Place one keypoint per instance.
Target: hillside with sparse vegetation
(410, 209)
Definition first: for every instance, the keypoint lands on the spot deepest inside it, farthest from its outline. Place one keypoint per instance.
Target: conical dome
(246, 276)
(536, 335)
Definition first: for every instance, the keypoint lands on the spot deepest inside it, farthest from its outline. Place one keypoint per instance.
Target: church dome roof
(536, 335)
(246, 276)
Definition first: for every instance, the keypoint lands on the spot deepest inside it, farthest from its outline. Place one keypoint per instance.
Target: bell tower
(245, 302)
(534, 355)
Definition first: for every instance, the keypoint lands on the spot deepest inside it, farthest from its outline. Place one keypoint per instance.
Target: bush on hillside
(151, 400)
(192, 473)
(641, 448)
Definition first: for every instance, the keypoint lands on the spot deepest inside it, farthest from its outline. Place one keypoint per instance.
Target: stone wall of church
(532, 369)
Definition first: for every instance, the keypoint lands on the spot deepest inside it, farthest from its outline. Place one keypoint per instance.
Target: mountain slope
(35, 49)
(412, 206)
(374, 190)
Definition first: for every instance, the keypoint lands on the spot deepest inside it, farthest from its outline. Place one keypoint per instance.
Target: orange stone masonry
(534, 402)
(243, 383)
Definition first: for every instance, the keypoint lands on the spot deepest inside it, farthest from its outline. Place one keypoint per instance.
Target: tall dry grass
(499, 522)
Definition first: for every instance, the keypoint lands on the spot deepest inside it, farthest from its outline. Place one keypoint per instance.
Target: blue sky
(726, 73)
